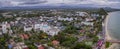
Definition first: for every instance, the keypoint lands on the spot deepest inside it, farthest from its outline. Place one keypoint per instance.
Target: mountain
(110, 9)
(57, 7)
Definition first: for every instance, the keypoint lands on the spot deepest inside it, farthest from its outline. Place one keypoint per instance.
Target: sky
(92, 3)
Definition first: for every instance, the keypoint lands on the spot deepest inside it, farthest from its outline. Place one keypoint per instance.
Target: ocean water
(114, 25)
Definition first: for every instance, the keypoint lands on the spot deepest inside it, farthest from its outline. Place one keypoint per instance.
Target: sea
(113, 27)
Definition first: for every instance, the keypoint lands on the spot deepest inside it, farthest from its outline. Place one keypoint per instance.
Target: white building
(95, 15)
(65, 19)
(44, 27)
(53, 31)
(4, 27)
(47, 29)
(82, 13)
(37, 26)
(28, 28)
(89, 19)
(88, 23)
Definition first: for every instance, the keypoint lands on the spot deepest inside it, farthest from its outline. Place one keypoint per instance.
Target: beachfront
(108, 37)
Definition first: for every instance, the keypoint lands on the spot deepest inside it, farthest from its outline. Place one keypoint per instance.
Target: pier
(113, 41)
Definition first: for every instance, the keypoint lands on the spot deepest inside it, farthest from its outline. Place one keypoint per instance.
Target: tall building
(3, 27)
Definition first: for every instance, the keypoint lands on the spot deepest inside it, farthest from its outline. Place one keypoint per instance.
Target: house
(18, 18)
(89, 19)
(82, 13)
(45, 27)
(39, 46)
(4, 28)
(65, 19)
(24, 36)
(10, 32)
(17, 47)
(53, 31)
(55, 42)
(28, 28)
(88, 23)
(51, 48)
(37, 26)
(10, 46)
(20, 45)
(95, 14)
(25, 47)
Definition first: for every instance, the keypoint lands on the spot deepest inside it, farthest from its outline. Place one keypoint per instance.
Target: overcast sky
(96, 3)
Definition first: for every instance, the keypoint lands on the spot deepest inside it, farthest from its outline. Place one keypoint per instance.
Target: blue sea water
(114, 25)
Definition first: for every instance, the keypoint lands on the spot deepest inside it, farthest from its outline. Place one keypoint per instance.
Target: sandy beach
(108, 37)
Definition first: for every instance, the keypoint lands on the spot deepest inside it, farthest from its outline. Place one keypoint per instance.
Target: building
(65, 19)
(39, 46)
(20, 45)
(82, 13)
(95, 14)
(89, 19)
(28, 28)
(4, 27)
(88, 23)
(37, 26)
(53, 31)
(45, 27)
(55, 42)
(24, 36)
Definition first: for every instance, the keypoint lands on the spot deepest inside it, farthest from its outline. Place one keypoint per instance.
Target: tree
(32, 47)
(102, 12)
(81, 46)
(95, 39)
(107, 44)
(69, 41)
(70, 29)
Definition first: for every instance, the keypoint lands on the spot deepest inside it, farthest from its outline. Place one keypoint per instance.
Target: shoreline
(107, 34)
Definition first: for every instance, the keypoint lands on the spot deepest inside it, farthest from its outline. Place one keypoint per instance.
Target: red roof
(24, 36)
(26, 48)
(41, 47)
(55, 42)
(82, 30)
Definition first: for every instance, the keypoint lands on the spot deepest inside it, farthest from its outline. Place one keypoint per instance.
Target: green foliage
(95, 39)
(32, 47)
(102, 12)
(90, 35)
(70, 30)
(107, 44)
(68, 41)
(81, 46)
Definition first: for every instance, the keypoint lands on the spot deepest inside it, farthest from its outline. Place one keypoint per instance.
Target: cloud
(110, 3)
(21, 2)
(31, 3)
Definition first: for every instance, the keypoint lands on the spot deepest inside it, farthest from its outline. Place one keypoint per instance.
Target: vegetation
(107, 44)
(70, 30)
(81, 46)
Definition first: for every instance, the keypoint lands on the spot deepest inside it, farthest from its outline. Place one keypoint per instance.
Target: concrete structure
(28, 28)
(82, 13)
(4, 27)
(53, 31)
(88, 23)
(65, 19)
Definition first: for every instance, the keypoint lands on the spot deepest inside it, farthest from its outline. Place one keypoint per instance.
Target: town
(52, 29)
